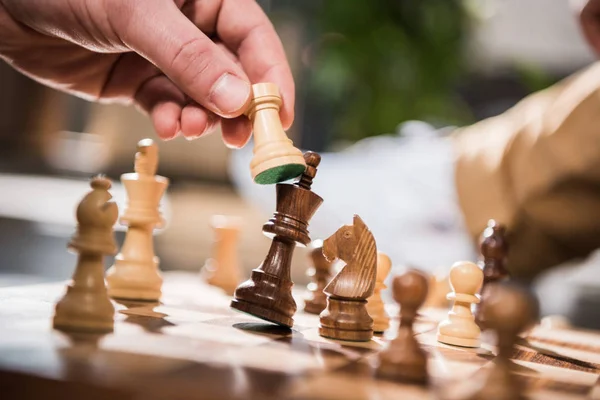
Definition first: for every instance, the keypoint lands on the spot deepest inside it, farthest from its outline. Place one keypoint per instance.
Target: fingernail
(230, 94)
(232, 146)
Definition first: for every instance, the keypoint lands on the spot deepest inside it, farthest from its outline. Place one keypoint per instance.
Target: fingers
(126, 77)
(197, 121)
(171, 112)
(163, 35)
(160, 98)
(246, 30)
(236, 132)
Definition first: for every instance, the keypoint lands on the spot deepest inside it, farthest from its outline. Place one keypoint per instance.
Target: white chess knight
(135, 274)
(460, 329)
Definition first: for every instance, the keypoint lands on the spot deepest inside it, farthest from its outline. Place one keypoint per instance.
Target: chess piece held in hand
(346, 316)
(494, 251)
(86, 306)
(460, 329)
(375, 305)
(135, 274)
(275, 157)
(320, 272)
(404, 360)
(508, 310)
(268, 292)
(222, 269)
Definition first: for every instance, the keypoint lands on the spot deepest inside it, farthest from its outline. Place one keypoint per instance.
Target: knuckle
(192, 60)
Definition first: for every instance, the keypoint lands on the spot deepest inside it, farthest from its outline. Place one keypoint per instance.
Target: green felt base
(279, 174)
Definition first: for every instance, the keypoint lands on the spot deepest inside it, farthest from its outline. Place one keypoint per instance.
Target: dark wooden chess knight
(268, 293)
(346, 316)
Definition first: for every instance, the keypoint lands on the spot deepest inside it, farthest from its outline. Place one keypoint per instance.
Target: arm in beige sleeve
(536, 168)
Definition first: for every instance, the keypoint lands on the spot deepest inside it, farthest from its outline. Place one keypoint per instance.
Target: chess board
(193, 346)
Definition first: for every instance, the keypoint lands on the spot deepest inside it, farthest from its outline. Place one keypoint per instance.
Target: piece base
(262, 313)
(82, 326)
(456, 341)
(314, 308)
(279, 173)
(380, 328)
(347, 335)
(135, 294)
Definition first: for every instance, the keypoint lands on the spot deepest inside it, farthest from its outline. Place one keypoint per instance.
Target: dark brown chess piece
(494, 250)
(346, 316)
(320, 272)
(268, 293)
(404, 360)
(508, 310)
(86, 306)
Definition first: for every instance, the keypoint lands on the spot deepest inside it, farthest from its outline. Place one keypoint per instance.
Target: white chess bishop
(135, 274)
(460, 329)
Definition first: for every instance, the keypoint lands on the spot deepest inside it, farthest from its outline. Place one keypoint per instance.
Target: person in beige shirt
(536, 168)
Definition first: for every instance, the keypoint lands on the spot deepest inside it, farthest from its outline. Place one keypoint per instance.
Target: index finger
(246, 30)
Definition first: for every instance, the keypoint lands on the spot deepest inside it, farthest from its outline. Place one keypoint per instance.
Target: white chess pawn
(135, 275)
(439, 286)
(460, 329)
(375, 305)
(222, 270)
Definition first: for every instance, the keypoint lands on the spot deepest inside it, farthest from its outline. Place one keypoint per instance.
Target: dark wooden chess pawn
(86, 306)
(268, 293)
(320, 272)
(508, 310)
(346, 316)
(404, 360)
(494, 250)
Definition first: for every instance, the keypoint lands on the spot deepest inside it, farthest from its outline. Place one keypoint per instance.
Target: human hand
(187, 63)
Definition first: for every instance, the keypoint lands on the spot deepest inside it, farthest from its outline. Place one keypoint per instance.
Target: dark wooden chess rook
(508, 310)
(268, 293)
(320, 272)
(494, 251)
(346, 316)
(404, 360)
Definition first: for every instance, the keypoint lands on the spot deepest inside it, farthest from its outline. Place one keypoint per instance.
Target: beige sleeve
(536, 168)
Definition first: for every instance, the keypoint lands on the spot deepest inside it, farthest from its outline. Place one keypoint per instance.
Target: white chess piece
(439, 286)
(375, 305)
(135, 275)
(222, 270)
(460, 329)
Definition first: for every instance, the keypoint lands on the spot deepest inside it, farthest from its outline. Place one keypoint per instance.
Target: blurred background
(361, 68)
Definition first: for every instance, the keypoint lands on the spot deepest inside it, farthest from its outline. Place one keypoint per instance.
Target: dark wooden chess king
(268, 293)
(494, 251)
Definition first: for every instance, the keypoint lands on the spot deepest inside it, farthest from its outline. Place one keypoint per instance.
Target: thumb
(161, 33)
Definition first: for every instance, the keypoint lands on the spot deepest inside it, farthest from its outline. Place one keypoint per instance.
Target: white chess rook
(136, 274)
